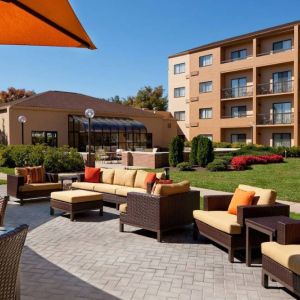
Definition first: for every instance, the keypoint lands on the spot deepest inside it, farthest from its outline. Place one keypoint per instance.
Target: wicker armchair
(275, 253)
(3, 204)
(11, 245)
(159, 213)
(233, 242)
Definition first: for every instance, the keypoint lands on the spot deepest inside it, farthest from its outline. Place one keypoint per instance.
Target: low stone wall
(145, 159)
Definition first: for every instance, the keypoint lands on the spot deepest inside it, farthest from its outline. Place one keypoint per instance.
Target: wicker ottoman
(76, 201)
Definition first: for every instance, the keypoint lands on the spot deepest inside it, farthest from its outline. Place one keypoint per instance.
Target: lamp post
(89, 113)
(22, 120)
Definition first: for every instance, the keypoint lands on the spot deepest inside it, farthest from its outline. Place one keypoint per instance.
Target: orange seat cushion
(240, 198)
(92, 175)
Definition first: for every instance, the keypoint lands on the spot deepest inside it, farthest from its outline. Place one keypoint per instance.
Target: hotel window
(179, 68)
(179, 115)
(48, 138)
(238, 138)
(281, 140)
(282, 45)
(205, 113)
(238, 111)
(209, 136)
(205, 60)
(205, 87)
(179, 92)
(238, 54)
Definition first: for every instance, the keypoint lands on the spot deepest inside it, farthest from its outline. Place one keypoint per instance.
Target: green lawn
(9, 171)
(284, 178)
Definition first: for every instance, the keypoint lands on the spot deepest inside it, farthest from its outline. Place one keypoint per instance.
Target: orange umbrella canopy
(41, 23)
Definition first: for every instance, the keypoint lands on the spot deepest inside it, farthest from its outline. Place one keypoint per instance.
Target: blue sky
(134, 39)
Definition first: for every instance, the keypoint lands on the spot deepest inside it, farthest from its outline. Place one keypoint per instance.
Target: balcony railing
(243, 91)
(276, 118)
(275, 51)
(238, 116)
(235, 59)
(284, 86)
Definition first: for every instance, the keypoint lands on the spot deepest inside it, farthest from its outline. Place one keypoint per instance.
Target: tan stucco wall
(54, 120)
(175, 81)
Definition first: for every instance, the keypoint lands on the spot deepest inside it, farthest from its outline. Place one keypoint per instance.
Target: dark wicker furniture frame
(263, 225)
(3, 205)
(287, 233)
(233, 242)
(73, 208)
(11, 245)
(15, 182)
(160, 213)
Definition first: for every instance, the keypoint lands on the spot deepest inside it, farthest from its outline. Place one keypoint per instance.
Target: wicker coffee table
(76, 201)
(265, 225)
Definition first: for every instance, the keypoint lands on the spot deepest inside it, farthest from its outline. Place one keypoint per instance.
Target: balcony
(275, 119)
(236, 59)
(238, 92)
(275, 51)
(285, 86)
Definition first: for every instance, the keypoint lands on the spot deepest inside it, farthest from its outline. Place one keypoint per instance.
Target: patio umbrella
(41, 23)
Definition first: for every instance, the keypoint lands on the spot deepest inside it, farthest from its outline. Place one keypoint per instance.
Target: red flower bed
(241, 162)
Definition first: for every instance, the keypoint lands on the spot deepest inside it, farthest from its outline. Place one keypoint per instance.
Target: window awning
(113, 124)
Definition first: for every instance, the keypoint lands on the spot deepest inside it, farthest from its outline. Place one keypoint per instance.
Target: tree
(194, 150)
(176, 151)
(14, 94)
(147, 97)
(151, 98)
(205, 151)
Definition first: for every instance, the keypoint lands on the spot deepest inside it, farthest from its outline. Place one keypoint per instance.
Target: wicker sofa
(17, 188)
(227, 230)
(168, 207)
(281, 259)
(115, 184)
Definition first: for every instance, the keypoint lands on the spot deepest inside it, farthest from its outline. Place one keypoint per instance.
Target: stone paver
(91, 259)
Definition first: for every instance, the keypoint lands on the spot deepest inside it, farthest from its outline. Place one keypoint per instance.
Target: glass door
(282, 82)
(239, 87)
(282, 113)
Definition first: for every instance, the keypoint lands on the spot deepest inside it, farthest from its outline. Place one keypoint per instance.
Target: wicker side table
(265, 225)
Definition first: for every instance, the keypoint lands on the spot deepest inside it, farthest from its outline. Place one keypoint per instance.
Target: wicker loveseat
(281, 259)
(167, 207)
(18, 188)
(115, 184)
(227, 230)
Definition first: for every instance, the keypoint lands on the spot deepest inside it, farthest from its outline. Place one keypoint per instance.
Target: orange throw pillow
(150, 178)
(92, 175)
(240, 198)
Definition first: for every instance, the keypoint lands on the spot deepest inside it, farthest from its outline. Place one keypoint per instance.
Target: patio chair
(3, 205)
(281, 259)
(170, 208)
(11, 245)
(215, 223)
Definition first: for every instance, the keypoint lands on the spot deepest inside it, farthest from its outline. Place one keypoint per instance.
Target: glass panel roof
(114, 124)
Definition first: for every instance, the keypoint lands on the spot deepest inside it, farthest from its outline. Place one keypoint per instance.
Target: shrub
(185, 166)
(176, 151)
(194, 149)
(222, 145)
(205, 151)
(187, 144)
(218, 165)
(241, 162)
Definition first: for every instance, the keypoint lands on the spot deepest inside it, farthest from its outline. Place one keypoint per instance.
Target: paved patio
(90, 259)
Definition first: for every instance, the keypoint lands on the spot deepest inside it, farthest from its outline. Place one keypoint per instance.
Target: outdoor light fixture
(22, 120)
(89, 113)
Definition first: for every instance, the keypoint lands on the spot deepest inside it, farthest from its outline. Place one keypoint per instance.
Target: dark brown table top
(268, 223)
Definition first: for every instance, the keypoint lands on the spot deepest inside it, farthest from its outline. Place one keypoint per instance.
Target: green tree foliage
(147, 97)
(205, 151)
(194, 150)
(14, 94)
(176, 151)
